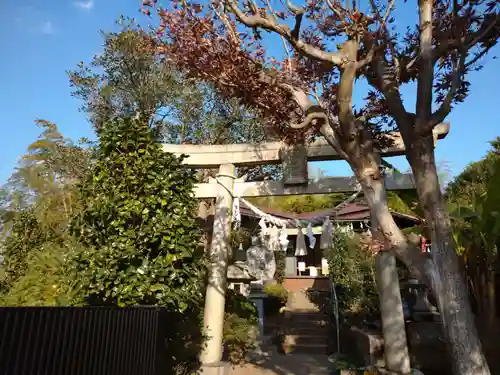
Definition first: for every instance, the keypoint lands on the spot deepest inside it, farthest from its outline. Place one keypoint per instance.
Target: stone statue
(260, 260)
(416, 296)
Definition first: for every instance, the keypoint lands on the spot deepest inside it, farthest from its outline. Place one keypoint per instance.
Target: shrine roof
(351, 212)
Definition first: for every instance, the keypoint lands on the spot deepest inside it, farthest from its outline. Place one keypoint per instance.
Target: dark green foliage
(25, 237)
(240, 326)
(138, 223)
(124, 77)
(471, 183)
(185, 340)
(300, 203)
(128, 76)
(352, 268)
(141, 242)
(277, 298)
(277, 291)
(474, 203)
(239, 237)
(279, 274)
(36, 205)
(44, 282)
(473, 200)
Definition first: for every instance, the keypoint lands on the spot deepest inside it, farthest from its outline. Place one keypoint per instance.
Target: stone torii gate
(295, 182)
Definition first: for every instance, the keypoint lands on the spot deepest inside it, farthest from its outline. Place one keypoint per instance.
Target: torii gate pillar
(211, 354)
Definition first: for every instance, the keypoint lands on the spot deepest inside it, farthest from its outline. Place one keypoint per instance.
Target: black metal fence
(82, 341)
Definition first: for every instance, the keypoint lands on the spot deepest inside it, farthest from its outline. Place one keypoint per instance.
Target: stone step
(301, 339)
(309, 325)
(308, 349)
(307, 318)
(307, 313)
(308, 331)
(300, 300)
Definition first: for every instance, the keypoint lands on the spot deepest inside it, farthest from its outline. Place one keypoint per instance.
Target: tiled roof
(352, 209)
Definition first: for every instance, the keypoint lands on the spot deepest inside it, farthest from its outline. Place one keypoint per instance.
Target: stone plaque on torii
(295, 182)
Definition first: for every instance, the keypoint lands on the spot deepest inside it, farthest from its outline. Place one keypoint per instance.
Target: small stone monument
(260, 261)
(237, 274)
(259, 267)
(417, 298)
(262, 266)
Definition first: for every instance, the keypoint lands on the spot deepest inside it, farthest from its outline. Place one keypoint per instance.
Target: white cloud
(34, 21)
(47, 28)
(86, 5)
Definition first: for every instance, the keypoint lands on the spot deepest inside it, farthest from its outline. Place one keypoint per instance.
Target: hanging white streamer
(273, 242)
(266, 217)
(263, 228)
(283, 223)
(236, 213)
(326, 238)
(281, 234)
(283, 239)
(300, 247)
(310, 235)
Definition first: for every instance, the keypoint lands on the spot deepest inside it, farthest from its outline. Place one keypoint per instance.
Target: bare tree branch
(426, 72)
(489, 23)
(444, 110)
(476, 58)
(293, 8)
(298, 12)
(328, 132)
(388, 11)
(336, 10)
(368, 58)
(315, 113)
(460, 67)
(386, 34)
(230, 30)
(270, 24)
(468, 42)
(283, 41)
(384, 81)
(345, 89)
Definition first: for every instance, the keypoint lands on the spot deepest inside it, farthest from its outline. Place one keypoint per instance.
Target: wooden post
(217, 278)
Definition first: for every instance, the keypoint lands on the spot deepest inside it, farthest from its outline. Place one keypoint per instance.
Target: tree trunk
(483, 286)
(472, 282)
(492, 310)
(444, 271)
(385, 230)
(376, 198)
(364, 161)
(490, 284)
(496, 278)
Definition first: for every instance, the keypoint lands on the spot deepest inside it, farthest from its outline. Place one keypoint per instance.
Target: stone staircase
(306, 327)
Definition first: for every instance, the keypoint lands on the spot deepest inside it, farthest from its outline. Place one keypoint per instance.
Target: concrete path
(273, 363)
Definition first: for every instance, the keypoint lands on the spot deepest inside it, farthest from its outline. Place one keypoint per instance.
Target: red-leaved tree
(327, 46)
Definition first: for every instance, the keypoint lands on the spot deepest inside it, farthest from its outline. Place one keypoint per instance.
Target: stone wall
(425, 342)
(300, 283)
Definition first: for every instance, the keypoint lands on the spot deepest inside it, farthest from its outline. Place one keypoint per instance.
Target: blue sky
(41, 39)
